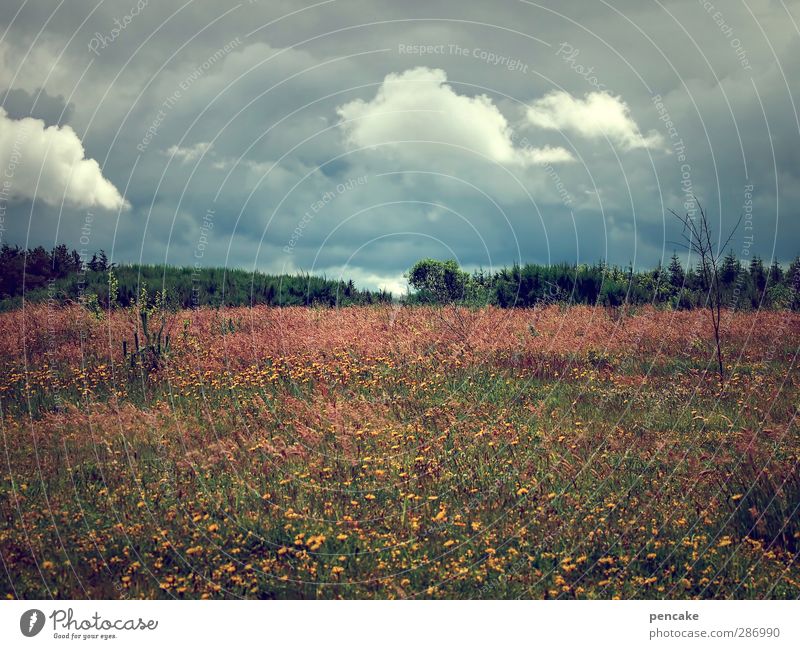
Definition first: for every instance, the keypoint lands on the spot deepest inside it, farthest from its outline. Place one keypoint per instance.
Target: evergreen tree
(676, 274)
(758, 275)
(729, 272)
(102, 262)
(775, 273)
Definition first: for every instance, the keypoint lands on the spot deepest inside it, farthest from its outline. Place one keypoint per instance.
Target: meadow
(398, 452)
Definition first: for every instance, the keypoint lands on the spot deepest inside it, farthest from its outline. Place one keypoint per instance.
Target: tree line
(62, 275)
(742, 286)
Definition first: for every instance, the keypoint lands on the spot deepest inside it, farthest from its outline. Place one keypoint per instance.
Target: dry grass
(380, 452)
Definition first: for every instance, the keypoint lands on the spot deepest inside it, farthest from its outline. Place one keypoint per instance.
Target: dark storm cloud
(203, 108)
(38, 104)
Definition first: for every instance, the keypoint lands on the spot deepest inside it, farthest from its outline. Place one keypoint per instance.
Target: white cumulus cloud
(189, 153)
(419, 105)
(598, 114)
(29, 150)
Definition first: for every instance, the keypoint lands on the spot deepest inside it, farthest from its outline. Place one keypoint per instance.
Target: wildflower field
(398, 452)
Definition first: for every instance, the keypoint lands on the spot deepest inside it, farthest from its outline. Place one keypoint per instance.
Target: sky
(352, 138)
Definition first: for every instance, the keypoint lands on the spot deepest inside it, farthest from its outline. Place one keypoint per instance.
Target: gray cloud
(38, 104)
(237, 110)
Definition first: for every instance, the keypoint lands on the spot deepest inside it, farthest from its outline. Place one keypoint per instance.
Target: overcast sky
(356, 137)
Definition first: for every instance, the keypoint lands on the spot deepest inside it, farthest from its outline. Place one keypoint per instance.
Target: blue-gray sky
(355, 137)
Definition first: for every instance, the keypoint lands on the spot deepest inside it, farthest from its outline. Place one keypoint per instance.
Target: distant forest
(744, 286)
(62, 275)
